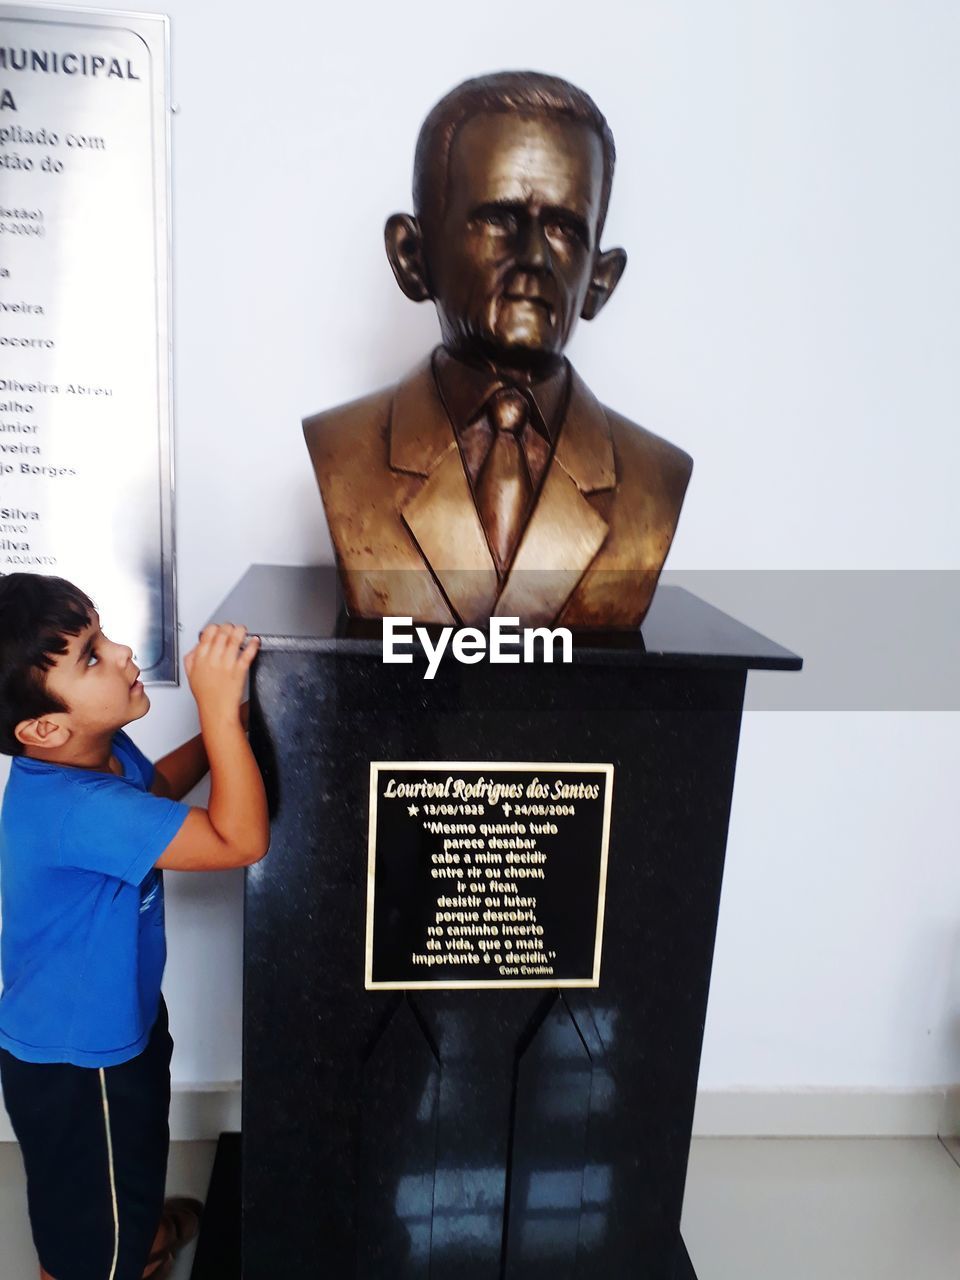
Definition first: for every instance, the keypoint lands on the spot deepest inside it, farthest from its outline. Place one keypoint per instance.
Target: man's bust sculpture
(491, 481)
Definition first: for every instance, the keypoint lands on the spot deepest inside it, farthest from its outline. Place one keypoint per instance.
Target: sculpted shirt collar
(465, 389)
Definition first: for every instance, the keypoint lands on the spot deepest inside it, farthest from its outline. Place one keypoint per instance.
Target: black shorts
(94, 1143)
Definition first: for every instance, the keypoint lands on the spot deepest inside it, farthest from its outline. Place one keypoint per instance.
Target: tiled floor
(757, 1209)
(839, 1209)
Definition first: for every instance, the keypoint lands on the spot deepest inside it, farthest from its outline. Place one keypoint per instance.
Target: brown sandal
(181, 1217)
(165, 1270)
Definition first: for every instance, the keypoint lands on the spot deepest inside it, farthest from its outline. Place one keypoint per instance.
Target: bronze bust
(491, 481)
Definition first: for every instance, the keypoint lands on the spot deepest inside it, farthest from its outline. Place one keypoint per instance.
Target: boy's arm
(179, 772)
(176, 774)
(234, 830)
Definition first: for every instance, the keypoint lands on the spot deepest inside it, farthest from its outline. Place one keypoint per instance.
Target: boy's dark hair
(37, 614)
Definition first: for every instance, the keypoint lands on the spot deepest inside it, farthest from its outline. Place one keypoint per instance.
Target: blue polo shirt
(82, 946)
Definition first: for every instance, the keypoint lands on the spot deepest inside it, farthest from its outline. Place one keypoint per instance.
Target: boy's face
(98, 682)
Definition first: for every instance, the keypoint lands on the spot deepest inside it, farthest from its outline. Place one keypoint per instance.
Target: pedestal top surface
(296, 607)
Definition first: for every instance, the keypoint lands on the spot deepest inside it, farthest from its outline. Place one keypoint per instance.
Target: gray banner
(870, 639)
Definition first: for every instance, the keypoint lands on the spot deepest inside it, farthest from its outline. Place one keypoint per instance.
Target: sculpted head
(511, 184)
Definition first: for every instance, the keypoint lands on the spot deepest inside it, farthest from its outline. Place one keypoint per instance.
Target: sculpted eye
(564, 230)
(498, 219)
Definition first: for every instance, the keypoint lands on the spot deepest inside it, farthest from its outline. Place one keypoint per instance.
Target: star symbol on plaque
(412, 810)
(506, 807)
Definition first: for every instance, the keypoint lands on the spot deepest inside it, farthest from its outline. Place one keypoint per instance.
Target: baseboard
(950, 1128)
(203, 1113)
(823, 1113)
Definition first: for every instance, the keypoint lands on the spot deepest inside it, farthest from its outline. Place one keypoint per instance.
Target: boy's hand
(217, 669)
(234, 829)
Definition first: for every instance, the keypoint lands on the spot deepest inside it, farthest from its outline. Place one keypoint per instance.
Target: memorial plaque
(85, 465)
(486, 875)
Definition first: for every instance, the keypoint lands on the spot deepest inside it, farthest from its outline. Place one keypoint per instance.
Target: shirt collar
(465, 389)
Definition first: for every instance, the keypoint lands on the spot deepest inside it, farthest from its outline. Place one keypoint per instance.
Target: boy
(87, 826)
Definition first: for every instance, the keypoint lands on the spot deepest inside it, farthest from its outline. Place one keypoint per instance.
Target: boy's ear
(42, 735)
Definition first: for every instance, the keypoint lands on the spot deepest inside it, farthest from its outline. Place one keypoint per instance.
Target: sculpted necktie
(504, 487)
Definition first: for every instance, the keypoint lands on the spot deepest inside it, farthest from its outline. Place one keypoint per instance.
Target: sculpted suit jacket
(409, 541)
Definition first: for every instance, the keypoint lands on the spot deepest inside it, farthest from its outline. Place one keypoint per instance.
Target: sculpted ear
(607, 270)
(46, 735)
(404, 242)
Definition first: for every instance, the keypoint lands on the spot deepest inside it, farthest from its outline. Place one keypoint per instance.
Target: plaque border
(153, 29)
(485, 766)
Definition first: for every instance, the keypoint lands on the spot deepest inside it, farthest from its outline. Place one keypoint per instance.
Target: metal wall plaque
(486, 875)
(85, 456)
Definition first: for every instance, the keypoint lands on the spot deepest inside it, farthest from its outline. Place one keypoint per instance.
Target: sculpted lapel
(441, 516)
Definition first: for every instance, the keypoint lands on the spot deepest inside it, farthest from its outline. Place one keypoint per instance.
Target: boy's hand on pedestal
(217, 670)
(234, 829)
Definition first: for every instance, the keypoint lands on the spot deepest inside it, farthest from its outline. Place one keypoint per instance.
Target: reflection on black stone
(605, 1025)
(551, 1112)
(597, 1202)
(398, 1149)
(443, 1151)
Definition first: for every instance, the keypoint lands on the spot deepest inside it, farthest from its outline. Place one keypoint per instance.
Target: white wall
(788, 191)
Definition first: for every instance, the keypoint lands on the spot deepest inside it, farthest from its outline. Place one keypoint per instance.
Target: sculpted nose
(534, 249)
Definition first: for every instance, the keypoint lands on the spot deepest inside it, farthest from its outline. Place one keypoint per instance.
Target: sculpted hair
(523, 92)
(37, 616)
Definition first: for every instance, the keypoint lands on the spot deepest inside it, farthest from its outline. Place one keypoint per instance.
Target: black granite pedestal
(480, 1134)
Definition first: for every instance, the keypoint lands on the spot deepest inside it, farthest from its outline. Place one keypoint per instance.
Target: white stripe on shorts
(113, 1180)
